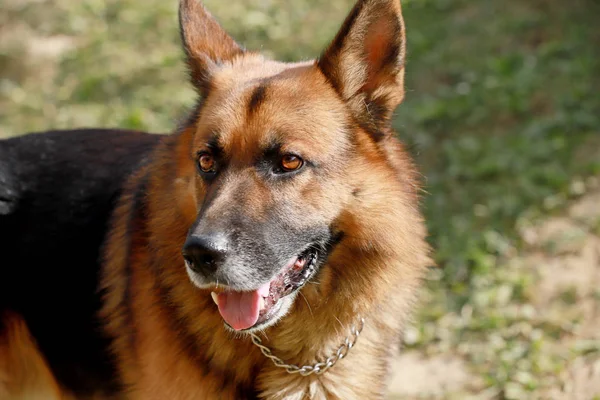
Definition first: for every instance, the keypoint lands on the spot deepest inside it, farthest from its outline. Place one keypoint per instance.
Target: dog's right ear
(205, 42)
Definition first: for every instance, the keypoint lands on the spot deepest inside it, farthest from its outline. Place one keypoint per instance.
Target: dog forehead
(292, 105)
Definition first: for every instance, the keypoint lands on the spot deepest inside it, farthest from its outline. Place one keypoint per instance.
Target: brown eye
(206, 163)
(290, 162)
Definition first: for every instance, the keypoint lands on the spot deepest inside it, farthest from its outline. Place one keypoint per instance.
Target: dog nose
(204, 253)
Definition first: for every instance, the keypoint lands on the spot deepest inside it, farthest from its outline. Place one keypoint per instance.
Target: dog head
(282, 151)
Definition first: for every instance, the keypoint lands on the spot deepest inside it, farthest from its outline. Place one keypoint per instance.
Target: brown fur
(24, 373)
(169, 339)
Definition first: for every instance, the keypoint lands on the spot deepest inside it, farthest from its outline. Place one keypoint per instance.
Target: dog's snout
(204, 253)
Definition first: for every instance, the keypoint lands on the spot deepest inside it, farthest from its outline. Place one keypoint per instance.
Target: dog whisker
(306, 301)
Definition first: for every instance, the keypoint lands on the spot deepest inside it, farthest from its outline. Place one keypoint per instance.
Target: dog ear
(205, 42)
(365, 63)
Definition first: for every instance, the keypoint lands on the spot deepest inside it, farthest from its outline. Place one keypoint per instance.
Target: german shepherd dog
(278, 223)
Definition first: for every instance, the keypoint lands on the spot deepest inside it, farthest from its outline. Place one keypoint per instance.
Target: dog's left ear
(205, 42)
(365, 62)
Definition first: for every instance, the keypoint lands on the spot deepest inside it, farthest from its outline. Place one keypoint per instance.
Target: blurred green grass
(504, 113)
(502, 109)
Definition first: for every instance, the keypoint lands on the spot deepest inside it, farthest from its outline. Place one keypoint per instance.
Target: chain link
(319, 367)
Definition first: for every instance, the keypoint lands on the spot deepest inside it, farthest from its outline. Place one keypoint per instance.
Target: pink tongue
(240, 309)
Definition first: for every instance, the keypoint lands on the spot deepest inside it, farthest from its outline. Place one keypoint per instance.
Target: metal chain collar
(319, 367)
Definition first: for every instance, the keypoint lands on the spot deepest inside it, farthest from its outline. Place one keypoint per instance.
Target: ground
(502, 114)
(550, 334)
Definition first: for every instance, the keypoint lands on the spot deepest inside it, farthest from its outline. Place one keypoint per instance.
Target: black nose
(204, 253)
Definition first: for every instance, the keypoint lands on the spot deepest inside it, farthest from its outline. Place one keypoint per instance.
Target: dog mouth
(245, 310)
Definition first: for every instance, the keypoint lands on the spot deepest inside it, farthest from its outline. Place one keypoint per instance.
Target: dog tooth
(261, 303)
(214, 297)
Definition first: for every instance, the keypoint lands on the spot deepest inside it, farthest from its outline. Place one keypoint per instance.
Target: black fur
(57, 190)
(258, 97)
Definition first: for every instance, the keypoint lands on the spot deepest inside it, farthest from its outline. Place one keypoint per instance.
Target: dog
(272, 246)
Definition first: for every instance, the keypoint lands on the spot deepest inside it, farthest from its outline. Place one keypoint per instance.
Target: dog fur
(57, 191)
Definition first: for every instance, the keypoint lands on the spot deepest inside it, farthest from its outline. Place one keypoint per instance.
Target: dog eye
(291, 162)
(206, 163)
